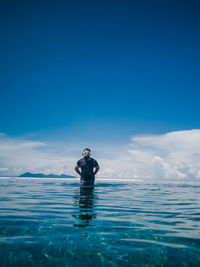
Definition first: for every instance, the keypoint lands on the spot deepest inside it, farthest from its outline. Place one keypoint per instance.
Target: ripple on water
(49, 223)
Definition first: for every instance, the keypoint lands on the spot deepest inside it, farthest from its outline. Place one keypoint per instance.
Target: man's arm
(77, 169)
(96, 169)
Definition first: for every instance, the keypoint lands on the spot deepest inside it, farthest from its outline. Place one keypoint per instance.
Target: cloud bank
(175, 155)
(170, 156)
(18, 156)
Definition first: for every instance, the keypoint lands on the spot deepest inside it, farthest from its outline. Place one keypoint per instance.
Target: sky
(99, 74)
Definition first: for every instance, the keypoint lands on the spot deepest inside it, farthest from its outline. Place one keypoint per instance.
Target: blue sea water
(54, 222)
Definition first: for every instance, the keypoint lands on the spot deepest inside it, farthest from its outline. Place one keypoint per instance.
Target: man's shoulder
(81, 159)
(94, 160)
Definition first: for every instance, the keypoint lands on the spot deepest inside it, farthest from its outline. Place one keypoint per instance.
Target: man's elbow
(76, 168)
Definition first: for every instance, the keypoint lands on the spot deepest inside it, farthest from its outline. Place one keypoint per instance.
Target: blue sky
(99, 70)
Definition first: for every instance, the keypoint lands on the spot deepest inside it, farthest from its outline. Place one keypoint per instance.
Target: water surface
(54, 222)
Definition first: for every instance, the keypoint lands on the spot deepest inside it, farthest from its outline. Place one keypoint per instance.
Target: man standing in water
(87, 165)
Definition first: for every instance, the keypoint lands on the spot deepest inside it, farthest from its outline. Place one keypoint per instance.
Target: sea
(118, 222)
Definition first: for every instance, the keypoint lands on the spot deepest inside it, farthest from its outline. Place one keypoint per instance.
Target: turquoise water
(53, 222)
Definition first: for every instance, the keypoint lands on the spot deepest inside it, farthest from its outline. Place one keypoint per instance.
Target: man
(87, 165)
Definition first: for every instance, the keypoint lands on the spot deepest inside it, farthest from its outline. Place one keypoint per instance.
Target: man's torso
(87, 166)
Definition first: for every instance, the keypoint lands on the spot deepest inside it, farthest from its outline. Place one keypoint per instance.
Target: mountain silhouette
(41, 175)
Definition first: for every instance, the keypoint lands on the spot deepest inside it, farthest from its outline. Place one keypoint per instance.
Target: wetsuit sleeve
(95, 163)
(78, 163)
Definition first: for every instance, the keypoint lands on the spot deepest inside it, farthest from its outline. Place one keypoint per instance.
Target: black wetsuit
(87, 165)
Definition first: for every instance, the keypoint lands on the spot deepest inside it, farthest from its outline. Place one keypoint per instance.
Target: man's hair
(87, 149)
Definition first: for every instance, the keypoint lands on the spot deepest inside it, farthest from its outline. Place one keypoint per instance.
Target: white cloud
(175, 155)
(3, 169)
(18, 156)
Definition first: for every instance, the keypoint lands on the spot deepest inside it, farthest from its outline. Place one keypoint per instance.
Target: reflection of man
(85, 198)
(87, 165)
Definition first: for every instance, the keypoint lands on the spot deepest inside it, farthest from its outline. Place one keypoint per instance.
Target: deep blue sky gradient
(101, 70)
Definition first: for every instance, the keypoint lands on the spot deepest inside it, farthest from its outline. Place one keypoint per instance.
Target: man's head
(86, 152)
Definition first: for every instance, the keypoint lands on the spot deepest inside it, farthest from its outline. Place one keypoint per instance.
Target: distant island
(41, 175)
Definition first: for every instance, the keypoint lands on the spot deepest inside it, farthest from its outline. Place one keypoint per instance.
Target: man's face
(86, 153)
